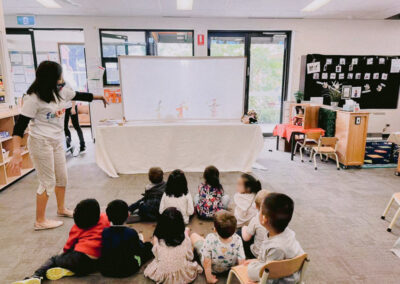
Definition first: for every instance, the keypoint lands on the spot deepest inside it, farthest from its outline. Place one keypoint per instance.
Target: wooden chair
(395, 197)
(326, 146)
(273, 270)
(310, 140)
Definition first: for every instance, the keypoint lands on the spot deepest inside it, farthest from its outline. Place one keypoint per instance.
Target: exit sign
(26, 20)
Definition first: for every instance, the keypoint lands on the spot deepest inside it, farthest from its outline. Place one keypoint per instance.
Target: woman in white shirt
(43, 109)
(177, 195)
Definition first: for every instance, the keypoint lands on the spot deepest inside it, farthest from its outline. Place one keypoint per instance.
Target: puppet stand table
(134, 148)
(395, 138)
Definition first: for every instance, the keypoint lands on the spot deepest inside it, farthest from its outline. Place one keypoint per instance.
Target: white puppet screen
(185, 88)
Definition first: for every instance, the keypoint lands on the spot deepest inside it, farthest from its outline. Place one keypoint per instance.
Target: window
(115, 43)
(267, 56)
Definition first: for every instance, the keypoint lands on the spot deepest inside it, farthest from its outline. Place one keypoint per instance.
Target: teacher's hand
(15, 164)
(101, 98)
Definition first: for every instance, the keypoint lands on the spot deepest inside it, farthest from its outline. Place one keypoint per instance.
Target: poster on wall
(374, 81)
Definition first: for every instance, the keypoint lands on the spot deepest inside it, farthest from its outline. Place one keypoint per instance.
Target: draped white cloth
(134, 148)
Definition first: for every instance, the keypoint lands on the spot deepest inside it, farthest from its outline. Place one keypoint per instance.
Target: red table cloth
(285, 130)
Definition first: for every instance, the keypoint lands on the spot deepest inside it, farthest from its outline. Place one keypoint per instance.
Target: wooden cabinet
(7, 121)
(351, 129)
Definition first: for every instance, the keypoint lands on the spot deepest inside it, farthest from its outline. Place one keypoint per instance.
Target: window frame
(147, 32)
(247, 34)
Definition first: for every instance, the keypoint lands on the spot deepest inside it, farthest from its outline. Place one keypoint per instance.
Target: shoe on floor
(48, 224)
(67, 213)
(31, 280)
(133, 219)
(58, 273)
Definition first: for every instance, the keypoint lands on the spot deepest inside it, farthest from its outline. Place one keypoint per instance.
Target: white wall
(347, 37)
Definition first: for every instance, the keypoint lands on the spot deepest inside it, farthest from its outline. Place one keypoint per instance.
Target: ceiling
(336, 9)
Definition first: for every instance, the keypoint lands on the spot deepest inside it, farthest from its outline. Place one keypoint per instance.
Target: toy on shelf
(250, 118)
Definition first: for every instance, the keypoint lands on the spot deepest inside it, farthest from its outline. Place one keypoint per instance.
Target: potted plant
(335, 95)
(299, 95)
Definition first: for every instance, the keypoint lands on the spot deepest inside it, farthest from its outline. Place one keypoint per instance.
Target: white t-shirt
(223, 255)
(245, 207)
(47, 119)
(259, 232)
(183, 203)
(279, 247)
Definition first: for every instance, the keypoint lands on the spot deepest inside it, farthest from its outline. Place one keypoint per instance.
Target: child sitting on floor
(210, 198)
(122, 251)
(247, 188)
(221, 250)
(254, 234)
(173, 254)
(82, 249)
(177, 195)
(276, 213)
(147, 207)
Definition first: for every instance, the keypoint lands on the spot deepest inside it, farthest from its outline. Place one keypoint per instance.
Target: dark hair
(278, 208)
(87, 213)
(225, 223)
(156, 175)
(117, 212)
(211, 177)
(251, 184)
(45, 84)
(170, 227)
(176, 184)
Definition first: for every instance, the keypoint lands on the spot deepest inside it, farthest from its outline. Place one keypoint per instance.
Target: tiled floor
(337, 217)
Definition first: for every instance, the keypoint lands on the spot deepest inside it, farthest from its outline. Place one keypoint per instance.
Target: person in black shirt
(123, 253)
(148, 206)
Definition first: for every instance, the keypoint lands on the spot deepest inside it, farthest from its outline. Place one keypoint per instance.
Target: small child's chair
(326, 146)
(395, 197)
(310, 140)
(273, 270)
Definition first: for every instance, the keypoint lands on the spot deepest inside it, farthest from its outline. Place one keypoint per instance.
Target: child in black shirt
(122, 250)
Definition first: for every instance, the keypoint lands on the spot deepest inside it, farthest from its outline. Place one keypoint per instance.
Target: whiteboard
(182, 88)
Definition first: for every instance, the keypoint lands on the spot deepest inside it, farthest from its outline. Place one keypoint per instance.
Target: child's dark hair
(176, 184)
(117, 212)
(278, 208)
(251, 184)
(87, 213)
(170, 227)
(225, 223)
(156, 175)
(211, 177)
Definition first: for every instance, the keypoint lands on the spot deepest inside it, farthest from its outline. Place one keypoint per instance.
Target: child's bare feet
(47, 224)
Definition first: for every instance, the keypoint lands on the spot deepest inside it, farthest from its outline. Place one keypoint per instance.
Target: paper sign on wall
(395, 67)
(200, 39)
(113, 96)
(313, 67)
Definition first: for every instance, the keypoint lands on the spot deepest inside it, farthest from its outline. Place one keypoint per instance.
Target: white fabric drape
(132, 149)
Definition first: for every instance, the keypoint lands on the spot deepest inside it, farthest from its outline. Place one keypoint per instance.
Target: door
(265, 91)
(21, 49)
(267, 56)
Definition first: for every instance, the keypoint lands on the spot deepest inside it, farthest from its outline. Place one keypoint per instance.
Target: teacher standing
(44, 108)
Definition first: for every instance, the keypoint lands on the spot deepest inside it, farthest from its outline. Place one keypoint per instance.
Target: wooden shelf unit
(7, 122)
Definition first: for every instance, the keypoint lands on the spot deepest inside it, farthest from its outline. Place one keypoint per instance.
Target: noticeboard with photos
(372, 81)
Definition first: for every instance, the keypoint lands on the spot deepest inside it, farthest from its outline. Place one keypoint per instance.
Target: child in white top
(254, 234)
(275, 215)
(247, 188)
(221, 250)
(177, 195)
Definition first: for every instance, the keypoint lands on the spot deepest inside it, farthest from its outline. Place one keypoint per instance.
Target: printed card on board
(354, 61)
(367, 76)
(356, 92)
(313, 67)
(332, 76)
(370, 61)
(375, 76)
(358, 76)
(324, 76)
